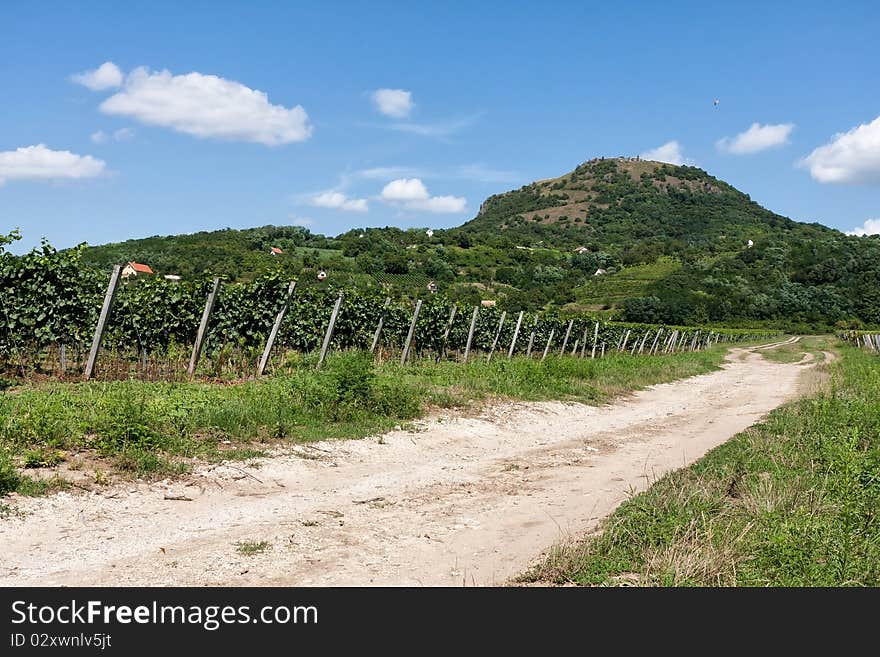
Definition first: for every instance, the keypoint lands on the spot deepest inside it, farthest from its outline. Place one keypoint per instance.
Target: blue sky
(193, 122)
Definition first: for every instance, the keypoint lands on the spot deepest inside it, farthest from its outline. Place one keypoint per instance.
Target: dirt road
(462, 501)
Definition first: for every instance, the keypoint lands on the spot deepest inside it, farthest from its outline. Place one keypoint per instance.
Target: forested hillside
(673, 241)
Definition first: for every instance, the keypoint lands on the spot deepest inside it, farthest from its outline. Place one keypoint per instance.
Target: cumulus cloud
(405, 189)
(870, 227)
(207, 106)
(106, 76)
(757, 138)
(412, 194)
(850, 157)
(42, 163)
(670, 152)
(339, 201)
(98, 137)
(395, 103)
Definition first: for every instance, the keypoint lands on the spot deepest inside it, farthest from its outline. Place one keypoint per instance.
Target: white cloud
(123, 134)
(405, 189)
(395, 103)
(413, 195)
(207, 106)
(339, 201)
(439, 204)
(440, 129)
(384, 173)
(850, 157)
(757, 138)
(870, 227)
(106, 76)
(670, 152)
(41, 163)
(98, 137)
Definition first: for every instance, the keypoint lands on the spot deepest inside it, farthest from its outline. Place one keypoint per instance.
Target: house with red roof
(135, 268)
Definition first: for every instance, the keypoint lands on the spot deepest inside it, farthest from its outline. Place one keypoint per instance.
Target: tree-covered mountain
(675, 243)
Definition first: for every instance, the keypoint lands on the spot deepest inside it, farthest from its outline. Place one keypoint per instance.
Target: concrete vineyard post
(595, 339)
(567, 335)
(412, 332)
(532, 338)
(470, 338)
(497, 335)
(644, 340)
(270, 342)
(515, 334)
(379, 326)
(625, 339)
(656, 339)
(203, 328)
(328, 335)
(549, 340)
(584, 341)
(445, 341)
(102, 322)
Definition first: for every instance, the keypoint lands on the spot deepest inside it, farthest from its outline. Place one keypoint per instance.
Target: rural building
(171, 277)
(600, 271)
(582, 249)
(276, 251)
(135, 268)
(487, 303)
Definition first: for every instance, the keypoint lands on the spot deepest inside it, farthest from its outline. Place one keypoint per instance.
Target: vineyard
(51, 304)
(865, 339)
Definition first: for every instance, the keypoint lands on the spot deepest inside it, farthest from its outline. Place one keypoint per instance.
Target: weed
(251, 548)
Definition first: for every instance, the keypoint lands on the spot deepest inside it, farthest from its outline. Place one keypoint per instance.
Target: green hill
(673, 241)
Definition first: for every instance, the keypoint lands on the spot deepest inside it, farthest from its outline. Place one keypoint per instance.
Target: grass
(149, 429)
(814, 345)
(792, 501)
(251, 548)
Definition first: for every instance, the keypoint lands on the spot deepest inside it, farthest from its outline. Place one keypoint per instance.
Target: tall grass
(147, 427)
(793, 501)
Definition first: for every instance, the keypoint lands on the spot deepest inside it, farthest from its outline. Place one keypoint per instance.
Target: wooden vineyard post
(567, 335)
(595, 340)
(619, 341)
(515, 334)
(203, 328)
(442, 352)
(261, 367)
(574, 349)
(380, 325)
(656, 339)
(549, 340)
(694, 341)
(470, 338)
(497, 336)
(532, 338)
(603, 350)
(63, 358)
(102, 322)
(329, 334)
(412, 332)
(584, 341)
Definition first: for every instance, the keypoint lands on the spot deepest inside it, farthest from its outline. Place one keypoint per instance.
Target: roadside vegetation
(792, 501)
(153, 429)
